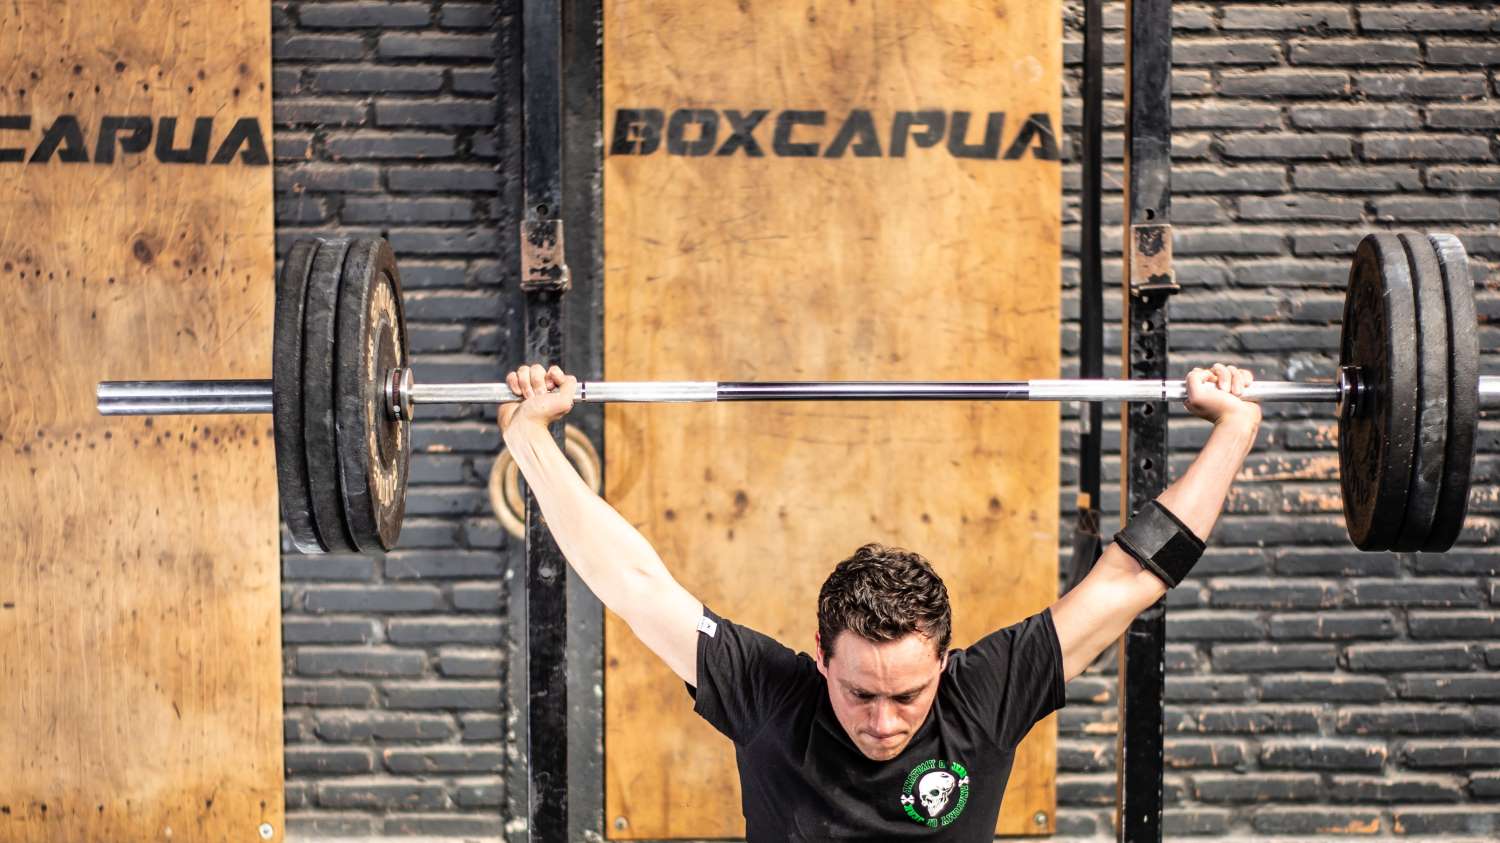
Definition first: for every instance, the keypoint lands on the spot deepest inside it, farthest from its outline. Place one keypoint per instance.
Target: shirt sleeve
(1011, 678)
(744, 677)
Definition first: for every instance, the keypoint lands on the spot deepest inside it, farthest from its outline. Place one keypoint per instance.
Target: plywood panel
(863, 241)
(139, 599)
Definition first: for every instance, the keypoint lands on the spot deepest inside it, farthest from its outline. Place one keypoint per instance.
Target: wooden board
(140, 675)
(823, 258)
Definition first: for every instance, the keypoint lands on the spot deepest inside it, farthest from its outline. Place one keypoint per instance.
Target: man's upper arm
(665, 617)
(1099, 610)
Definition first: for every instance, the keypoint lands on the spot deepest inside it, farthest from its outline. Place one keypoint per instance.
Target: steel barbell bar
(200, 397)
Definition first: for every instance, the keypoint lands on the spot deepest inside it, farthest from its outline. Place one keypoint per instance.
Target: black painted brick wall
(1314, 690)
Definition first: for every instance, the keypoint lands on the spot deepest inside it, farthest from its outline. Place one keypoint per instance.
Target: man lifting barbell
(886, 732)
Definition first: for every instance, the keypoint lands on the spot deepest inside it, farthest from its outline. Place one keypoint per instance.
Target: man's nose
(885, 718)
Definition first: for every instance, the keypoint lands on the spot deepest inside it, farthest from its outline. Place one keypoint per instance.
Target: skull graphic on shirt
(934, 789)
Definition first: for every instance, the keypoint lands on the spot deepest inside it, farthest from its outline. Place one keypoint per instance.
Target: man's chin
(881, 751)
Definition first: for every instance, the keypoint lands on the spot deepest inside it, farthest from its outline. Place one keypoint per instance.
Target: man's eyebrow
(853, 688)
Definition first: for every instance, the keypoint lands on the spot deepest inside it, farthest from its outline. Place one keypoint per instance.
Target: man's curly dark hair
(882, 594)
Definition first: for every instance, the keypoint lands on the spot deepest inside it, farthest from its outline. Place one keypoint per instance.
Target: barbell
(1408, 393)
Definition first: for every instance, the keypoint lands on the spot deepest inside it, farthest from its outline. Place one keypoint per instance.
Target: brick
(481, 727)
(1262, 657)
(1427, 592)
(1300, 208)
(382, 794)
(1356, 117)
(1354, 52)
(358, 661)
(457, 436)
(436, 46)
(434, 113)
(447, 694)
(1214, 626)
(1226, 241)
(1304, 821)
(1333, 626)
(1225, 116)
(1397, 657)
(1180, 821)
(347, 727)
(1256, 787)
(329, 566)
(1331, 687)
(1222, 52)
(1445, 86)
(1446, 687)
(1442, 209)
(323, 178)
(349, 598)
(301, 826)
(1084, 756)
(1479, 820)
(327, 760)
(1383, 18)
(374, 79)
(444, 631)
(1287, 18)
(476, 597)
(1360, 179)
(363, 15)
(1463, 178)
(1250, 179)
(1407, 788)
(445, 500)
(481, 793)
(1257, 719)
(467, 15)
(411, 211)
(316, 47)
(481, 81)
(1275, 84)
(430, 760)
(1463, 117)
(466, 178)
(443, 827)
(469, 663)
(1463, 53)
(299, 630)
(1325, 754)
(1480, 625)
(1280, 273)
(1198, 753)
(1208, 689)
(1314, 561)
(1484, 785)
(1450, 754)
(323, 692)
(1418, 147)
(471, 564)
(1272, 594)
(1286, 146)
(1403, 720)
(319, 112)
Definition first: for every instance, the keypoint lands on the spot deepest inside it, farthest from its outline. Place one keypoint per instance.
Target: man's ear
(818, 648)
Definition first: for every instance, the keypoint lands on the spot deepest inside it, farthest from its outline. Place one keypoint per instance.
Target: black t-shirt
(803, 779)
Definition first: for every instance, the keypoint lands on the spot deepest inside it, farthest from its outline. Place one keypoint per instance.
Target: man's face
(881, 691)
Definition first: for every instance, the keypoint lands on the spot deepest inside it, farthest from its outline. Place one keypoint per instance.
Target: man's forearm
(609, 554)
(1197, 497)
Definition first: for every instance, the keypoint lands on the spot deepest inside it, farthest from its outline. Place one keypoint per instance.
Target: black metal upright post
(545, 280)
(1086, 540)
(1149, 283)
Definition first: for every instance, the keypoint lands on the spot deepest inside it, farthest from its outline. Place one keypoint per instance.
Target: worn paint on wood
(785, 199)
(140, 680)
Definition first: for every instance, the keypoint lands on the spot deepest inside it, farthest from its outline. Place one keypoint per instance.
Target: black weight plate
(1432, 389)
(286, 396)
(374, 449)
(1463, 394)
(319, 394)
(1377, 432)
